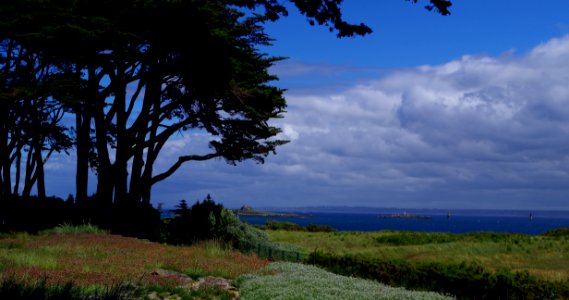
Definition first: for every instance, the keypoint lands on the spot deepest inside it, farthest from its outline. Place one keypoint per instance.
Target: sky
(466, 111)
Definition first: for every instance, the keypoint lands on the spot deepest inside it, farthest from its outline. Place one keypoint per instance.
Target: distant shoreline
(405, 216)
(260, 213)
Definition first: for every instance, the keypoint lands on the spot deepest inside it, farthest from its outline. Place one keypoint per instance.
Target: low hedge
(465, 281)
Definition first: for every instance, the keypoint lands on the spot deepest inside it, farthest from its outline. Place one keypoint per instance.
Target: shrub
(559, 232)
(290, 226)
(33, 214)
(319, 228)
(207, 220)
(465, 280)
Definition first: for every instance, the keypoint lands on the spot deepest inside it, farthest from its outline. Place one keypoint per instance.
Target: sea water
(456, 222)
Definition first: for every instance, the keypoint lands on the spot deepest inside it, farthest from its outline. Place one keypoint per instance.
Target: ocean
(526, 222)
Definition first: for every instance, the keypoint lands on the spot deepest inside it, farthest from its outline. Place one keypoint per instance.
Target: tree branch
(178, 164)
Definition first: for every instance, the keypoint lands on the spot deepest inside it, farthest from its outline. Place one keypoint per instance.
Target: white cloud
(475, 123)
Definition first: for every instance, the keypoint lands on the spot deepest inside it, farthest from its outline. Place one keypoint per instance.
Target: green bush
(208, 220)
(287, 226)
(319, 228)
(290, 226)
(242, 234)
(559, 232)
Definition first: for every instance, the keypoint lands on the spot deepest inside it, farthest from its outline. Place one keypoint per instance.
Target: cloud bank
(476, 132)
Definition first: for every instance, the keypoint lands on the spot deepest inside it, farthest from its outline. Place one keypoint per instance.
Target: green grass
(99, 262)
(284, 280)
(75, 229)
(543, 256)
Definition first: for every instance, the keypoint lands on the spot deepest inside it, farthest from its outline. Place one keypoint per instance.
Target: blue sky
(465, 111)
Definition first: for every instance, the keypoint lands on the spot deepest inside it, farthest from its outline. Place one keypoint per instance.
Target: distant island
(406, 216)
(247, 210)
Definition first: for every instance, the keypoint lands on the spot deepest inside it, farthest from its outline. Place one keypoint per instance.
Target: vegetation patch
(559, 232)
(67, 228)
(12, 288)
(542, 256)
(284, 280)
(399, 238)
(106, 260)
(465, 280)
(290, 226)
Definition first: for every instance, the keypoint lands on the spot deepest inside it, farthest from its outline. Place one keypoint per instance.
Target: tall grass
(12, 288)
(86, 228)
(105, 260)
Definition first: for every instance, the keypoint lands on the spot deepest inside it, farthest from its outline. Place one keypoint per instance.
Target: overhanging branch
(178, 164)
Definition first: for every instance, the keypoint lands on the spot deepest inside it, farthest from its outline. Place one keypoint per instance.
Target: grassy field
(93, 259)
(97, 261)
(545, 257)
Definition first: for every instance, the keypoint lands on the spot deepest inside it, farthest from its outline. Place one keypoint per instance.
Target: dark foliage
(441, 6)
(465, 281)
(559, 232)
(33, 214)
(319, 228)
(202, 221)
(209, 220)
(290, 226)
(12, 288)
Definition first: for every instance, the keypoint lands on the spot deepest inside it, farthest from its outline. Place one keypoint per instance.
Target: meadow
(86, 263)
(545, 257)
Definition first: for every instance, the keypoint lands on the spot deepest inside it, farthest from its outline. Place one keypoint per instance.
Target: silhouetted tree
(203, 221)
(30, 119)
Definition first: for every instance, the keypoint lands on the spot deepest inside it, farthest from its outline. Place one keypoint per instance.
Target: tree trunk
(5, 185)
(105, 176)
(39, 174)
(5, 159)
(30, 167)
(122, 140)
(138, 190)
(83, 125)
(18, 172)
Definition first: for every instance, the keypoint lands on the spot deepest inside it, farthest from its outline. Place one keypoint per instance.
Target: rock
(182, 279)
(220, 282)
(186, 282)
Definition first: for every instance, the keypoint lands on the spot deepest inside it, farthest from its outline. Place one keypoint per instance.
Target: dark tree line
(134, 74)
(30, 118)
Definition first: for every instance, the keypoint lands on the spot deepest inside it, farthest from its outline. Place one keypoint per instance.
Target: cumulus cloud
(482, 124)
